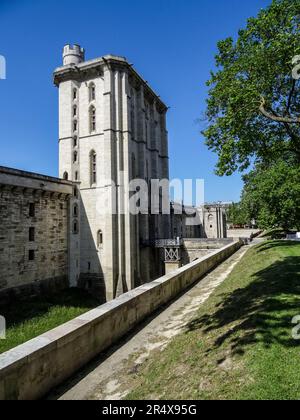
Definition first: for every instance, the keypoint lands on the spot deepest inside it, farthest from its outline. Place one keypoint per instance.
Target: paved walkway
(108, 377)
(241, 233)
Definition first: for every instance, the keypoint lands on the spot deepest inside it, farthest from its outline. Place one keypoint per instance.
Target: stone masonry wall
(197, 248)
(48, 246)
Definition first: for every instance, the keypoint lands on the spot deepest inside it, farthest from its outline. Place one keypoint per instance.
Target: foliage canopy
(254, 98)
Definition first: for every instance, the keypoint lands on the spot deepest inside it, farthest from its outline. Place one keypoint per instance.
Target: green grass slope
(240, 345)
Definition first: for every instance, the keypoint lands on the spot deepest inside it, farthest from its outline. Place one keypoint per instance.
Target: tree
(271, 196)
(237, 215)
(253, 108)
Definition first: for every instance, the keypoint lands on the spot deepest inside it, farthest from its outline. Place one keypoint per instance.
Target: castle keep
(112, 129)
(77, 230)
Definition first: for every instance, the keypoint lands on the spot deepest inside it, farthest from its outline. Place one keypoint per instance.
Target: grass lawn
(240, 344)
(27, 320)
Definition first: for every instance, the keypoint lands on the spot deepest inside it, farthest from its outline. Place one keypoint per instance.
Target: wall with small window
(93, 167)
(75, 227)
(92, 92)
(91, 107)
(92, 119)
(31, 234)
(100, 239)
(34, 239)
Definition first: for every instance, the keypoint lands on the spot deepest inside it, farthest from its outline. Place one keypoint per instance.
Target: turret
(73, 54)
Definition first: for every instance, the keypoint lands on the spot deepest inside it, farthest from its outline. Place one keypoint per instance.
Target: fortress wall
(34, 368)
(194, 249)
(33, 234)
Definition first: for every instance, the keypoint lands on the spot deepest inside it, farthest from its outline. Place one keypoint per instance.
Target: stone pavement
(241, 233)
(108, 378)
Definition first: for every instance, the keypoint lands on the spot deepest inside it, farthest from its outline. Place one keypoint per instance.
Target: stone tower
(112, 129)
(73, 55)
(214, 221)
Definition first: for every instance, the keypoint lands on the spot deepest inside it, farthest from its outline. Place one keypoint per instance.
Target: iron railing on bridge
(164, 243)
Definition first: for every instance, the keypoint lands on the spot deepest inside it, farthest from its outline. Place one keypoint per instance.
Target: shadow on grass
(22, 311)
(265, 246)
(260, 312)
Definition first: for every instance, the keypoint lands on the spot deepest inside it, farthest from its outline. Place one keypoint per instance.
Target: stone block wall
(33, 235)
(194, 249)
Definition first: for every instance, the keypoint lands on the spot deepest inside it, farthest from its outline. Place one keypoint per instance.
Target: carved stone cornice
(92, 68)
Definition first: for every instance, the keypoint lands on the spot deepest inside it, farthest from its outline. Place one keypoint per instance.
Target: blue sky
(172, 43)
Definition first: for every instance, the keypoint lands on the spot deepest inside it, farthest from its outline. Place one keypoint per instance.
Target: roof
(31, 180)
(33, 175)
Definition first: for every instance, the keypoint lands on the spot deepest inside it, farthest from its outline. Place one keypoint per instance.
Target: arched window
(74, 111)
(75, 141)
(74, 94)
(66, 176)
(75, 157)
(75, 125)
(99, 238)
(75, 227)
(92, 118)
(93, 166)
(92, 92)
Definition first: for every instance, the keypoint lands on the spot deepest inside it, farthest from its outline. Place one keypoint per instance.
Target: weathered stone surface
(21, 277)
(195, 248)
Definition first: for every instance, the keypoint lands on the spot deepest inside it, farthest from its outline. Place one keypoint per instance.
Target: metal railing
(164, 243)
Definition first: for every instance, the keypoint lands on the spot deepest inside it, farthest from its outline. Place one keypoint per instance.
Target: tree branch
(273, 117)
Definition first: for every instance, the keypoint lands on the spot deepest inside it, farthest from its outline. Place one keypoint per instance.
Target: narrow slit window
(31, 255)
(31, 210)
(92, 92)
(92, 119)
(31, 234)
(100, 238)
(75, 227)
(75, 210)
(133, 166)
(93, 158)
